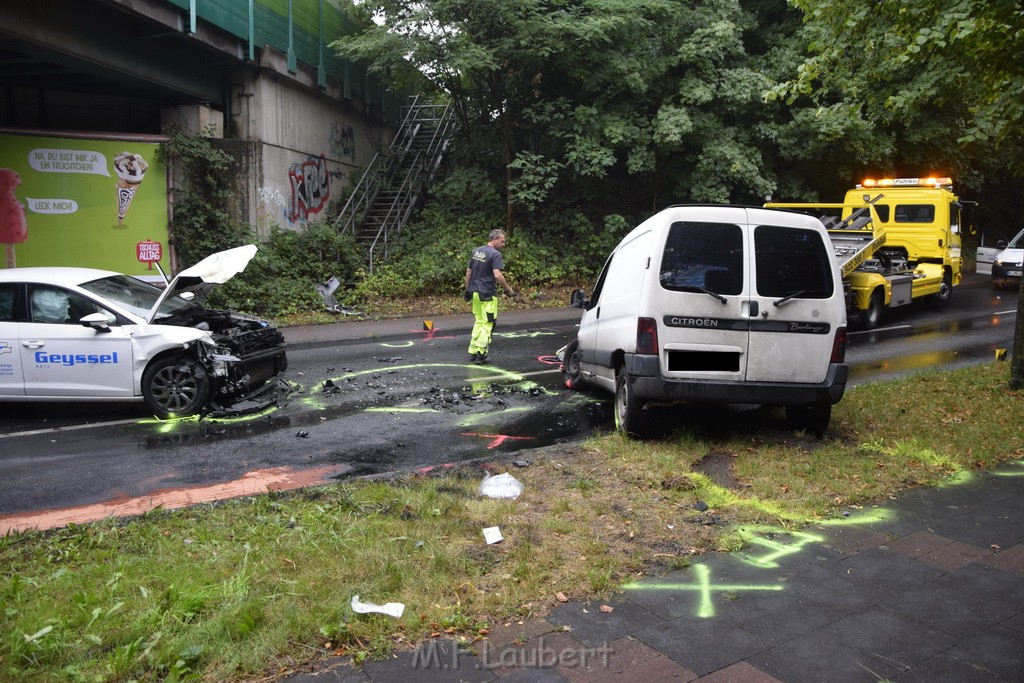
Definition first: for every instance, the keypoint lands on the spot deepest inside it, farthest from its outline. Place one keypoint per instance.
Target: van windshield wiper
(714, 294)
(786, 298)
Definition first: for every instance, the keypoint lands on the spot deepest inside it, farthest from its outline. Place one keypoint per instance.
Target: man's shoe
(482, 359)
(473, 357)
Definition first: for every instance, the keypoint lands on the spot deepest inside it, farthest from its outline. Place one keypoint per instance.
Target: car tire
(945, 294)
(630, 417)
(175, 387)
(872, 315)
(571, 370)
(812, 418)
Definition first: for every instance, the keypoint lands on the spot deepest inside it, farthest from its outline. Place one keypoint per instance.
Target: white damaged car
(81, 334)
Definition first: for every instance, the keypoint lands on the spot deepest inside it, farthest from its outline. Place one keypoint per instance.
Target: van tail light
(839, 346)
(647, 336)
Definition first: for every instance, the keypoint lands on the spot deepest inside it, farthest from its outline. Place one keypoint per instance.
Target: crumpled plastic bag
(501, 486)
(392, 609)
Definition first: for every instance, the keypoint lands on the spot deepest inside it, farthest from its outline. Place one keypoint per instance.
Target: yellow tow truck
(896, 240)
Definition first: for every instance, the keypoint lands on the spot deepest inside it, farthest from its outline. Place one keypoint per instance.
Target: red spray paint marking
(431, 333)
(498, 439)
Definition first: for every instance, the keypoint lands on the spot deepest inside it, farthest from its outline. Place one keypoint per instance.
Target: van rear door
(704, 296)
(798, 299)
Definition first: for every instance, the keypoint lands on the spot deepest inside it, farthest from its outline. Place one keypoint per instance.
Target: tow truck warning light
(907, 182)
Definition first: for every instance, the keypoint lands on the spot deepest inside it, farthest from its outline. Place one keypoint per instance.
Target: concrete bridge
(256, 75)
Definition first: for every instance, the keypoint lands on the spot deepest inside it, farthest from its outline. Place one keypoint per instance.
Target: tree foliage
(617, 106)
(946, 76)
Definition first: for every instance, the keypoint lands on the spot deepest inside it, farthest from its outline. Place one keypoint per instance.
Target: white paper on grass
(501, 486)
(392, 609)
(492, 534)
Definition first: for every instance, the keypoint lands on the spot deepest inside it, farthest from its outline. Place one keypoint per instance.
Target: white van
(719, 304)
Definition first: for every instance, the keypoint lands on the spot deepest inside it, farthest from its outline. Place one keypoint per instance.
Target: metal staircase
(395, 182)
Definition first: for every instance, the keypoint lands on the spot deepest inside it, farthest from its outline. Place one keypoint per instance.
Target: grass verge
(253, 588)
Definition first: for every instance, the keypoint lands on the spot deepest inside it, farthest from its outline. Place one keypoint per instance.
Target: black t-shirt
(482, 264)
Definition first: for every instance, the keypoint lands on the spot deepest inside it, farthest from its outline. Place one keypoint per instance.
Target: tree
(619, 106)
(947, 76)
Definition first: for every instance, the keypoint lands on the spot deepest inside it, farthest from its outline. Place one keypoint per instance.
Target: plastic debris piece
(701, 505)
(501, 486)
(302, 434)
(521, 463)
(392, 609)
(607, 609)
(492, 534)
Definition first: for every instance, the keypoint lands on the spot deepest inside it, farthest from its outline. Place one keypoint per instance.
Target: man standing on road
(482, 277)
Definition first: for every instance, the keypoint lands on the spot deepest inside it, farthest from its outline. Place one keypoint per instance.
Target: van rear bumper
(649, 385)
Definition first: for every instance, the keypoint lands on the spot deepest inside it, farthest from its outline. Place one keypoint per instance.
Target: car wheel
(945, 294)
(571, 365)
(630, 417)
(873, 314)
(175, 387)
(812, 418)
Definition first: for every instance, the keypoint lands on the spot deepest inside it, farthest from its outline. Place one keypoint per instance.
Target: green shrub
(283, 276)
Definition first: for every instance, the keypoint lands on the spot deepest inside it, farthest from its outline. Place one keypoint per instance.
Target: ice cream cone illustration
(13, 225)
(131, 169)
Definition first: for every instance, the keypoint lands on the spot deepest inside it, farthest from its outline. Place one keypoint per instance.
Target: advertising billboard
(77, 201)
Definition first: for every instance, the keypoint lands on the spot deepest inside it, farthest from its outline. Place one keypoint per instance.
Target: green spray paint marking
(523, 335)
(703, 587)
(873, 516)
(477, 418)
(1016, 463)
(170, 424)
(774, 549)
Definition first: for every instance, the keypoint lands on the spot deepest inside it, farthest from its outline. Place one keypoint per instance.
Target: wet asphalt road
(377, 406)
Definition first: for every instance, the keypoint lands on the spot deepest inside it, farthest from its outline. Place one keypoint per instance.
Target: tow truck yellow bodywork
(896, 240)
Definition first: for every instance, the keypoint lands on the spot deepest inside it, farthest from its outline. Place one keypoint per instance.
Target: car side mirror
(578, 299)
(97, 321)
(1001, 244)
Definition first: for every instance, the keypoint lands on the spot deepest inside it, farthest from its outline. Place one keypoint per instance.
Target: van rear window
(703, 256)
(792, 262)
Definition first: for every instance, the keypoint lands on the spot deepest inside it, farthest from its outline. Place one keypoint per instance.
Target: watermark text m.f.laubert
(446, 656)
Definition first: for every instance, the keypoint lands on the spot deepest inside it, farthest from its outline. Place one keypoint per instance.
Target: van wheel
(175, 387)
(630, 417)
(945, 293)
(870, 318)
(812, 418)
(571, 370)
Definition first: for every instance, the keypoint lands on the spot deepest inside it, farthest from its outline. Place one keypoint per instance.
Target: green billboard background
(70, 191)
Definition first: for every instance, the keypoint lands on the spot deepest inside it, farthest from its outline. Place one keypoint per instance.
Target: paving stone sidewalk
(927, 588)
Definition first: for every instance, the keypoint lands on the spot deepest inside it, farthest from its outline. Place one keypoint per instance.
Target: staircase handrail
(406, 191)
(369, 184)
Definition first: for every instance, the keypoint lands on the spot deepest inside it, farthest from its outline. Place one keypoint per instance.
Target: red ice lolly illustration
(13, 225)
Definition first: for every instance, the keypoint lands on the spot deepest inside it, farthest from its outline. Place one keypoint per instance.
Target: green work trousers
(485, 314)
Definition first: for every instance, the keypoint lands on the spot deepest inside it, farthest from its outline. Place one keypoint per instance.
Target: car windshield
(135, 296)
(1018, 241)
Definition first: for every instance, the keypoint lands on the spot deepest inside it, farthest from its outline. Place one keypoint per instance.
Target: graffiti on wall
(311, 188)
(343, 141)
(271, 207)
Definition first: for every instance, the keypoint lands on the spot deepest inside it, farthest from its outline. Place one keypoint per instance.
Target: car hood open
(215, 269)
